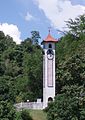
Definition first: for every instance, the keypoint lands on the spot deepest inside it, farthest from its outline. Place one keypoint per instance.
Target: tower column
(48, 69)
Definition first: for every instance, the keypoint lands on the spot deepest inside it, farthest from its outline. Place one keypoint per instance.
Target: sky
(19, 17)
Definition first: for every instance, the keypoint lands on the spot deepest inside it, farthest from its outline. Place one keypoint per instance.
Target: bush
(25, 115)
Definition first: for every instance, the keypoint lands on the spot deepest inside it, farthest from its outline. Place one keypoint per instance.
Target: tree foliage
(77, 26)
(69, 102)
(20, 71)
(7, 111)
(35, 36)
(69, 105)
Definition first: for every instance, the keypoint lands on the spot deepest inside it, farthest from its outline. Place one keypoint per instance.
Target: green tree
(69, 105)
(70, 63)
(7, 111)
(77, 26)
(69, 102)
(35, 36)
(32, 64)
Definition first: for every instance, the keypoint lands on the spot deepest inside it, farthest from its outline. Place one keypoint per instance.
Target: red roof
(49, 38)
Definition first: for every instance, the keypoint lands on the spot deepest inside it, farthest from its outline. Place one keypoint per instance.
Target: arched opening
(50, 45)
(50, 99)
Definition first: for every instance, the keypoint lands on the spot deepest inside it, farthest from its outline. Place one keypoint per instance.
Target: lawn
(38, 114)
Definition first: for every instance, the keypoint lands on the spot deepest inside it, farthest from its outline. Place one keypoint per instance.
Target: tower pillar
(48, 70)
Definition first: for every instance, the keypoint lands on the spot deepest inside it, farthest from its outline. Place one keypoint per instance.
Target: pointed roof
(49, 38)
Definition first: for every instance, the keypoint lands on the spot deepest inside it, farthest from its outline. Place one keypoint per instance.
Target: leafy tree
(5, 42)
(7, 90)
(35, 36)
(20, 74)
(70, 63)
(27, 46)
(69, 105)
(35, 79)
(77, 26)
(32, 64)
(7, 111)
(69, 102)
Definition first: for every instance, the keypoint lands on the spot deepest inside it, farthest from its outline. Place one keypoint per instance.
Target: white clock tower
(48, 69)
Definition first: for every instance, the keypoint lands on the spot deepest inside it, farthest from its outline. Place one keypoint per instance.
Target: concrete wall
(29, 105)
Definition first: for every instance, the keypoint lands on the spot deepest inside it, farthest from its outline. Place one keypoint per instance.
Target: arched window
(50, 45)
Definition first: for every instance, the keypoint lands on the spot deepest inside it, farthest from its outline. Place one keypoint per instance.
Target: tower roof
(49, 38)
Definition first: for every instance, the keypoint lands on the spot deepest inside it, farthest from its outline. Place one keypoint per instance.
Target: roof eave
(48, 41)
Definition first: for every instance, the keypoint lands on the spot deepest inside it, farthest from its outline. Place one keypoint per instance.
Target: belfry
(48, 69)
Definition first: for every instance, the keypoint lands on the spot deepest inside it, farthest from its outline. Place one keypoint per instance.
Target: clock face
(50, 54)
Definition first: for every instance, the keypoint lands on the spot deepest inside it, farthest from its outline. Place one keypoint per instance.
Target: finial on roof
(49, 38)
(49, 29)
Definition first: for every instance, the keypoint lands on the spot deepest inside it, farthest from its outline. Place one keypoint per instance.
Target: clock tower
(48, 69)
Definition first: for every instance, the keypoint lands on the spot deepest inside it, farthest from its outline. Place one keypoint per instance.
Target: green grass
(38, 114)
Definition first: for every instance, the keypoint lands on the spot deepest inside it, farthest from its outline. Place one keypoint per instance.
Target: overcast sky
(19, 17)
